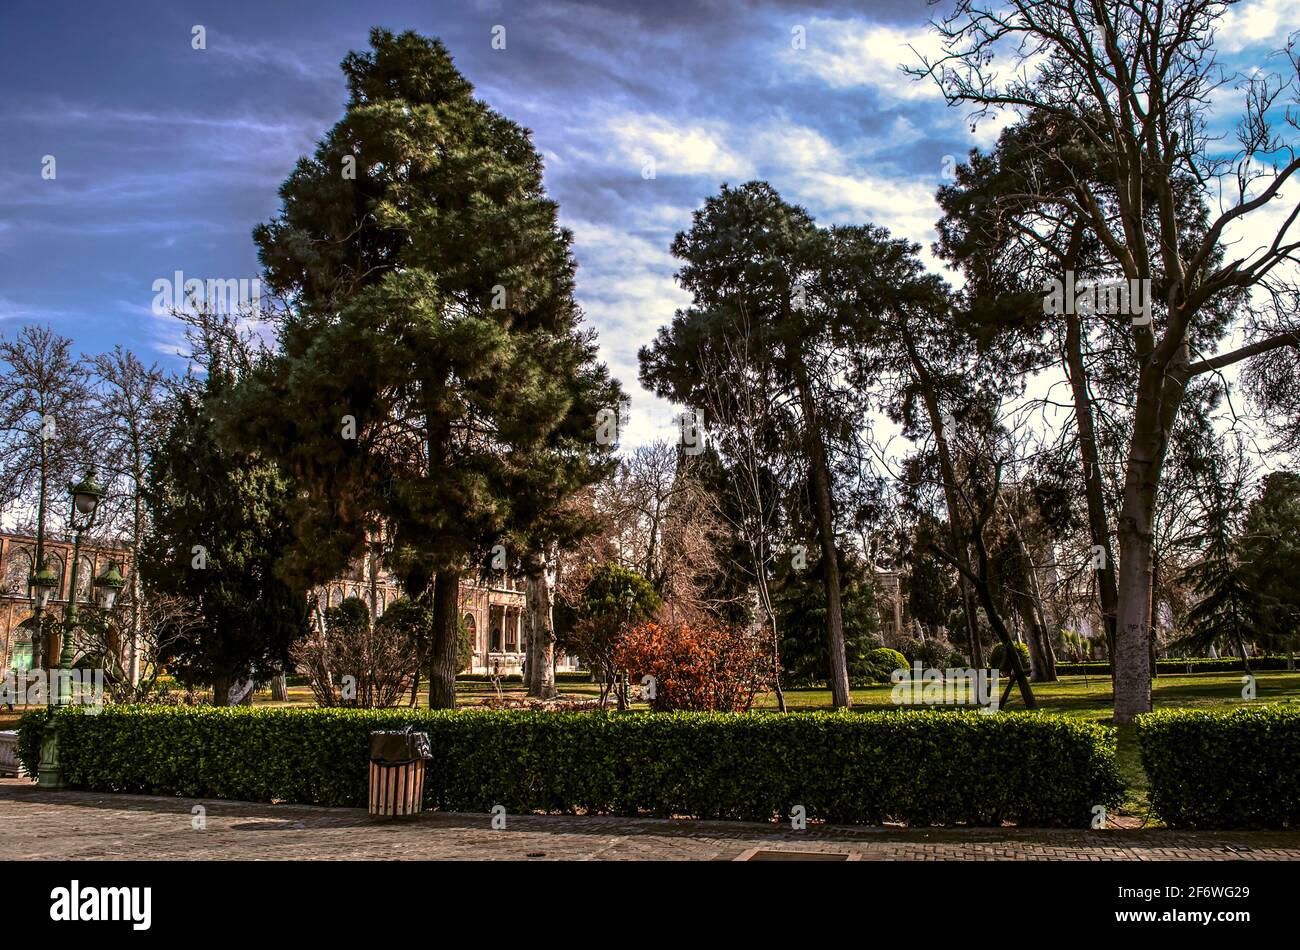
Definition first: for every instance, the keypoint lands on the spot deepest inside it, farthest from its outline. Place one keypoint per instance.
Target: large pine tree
(433, 373)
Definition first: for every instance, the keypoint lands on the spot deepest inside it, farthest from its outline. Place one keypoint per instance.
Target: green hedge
(918, 767)
(1236, 768)
(1197, 664)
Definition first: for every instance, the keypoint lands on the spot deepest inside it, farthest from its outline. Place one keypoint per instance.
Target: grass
(1086, 697)
(1090, 697)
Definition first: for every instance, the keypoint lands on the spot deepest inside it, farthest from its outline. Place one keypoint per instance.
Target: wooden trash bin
(397, 764)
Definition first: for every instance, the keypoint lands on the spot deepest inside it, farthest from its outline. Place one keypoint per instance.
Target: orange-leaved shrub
(702, 666)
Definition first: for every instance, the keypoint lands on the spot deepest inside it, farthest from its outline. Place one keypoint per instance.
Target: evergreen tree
(434, 373)
(1270, 558)
(801, 612)
(752, 261)
(1228, 611)
(219, 524)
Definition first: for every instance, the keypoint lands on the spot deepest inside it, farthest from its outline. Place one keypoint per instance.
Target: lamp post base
(49, 774)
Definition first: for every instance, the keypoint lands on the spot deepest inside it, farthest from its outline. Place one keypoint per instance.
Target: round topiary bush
(996, 657)
(933, 654)
(884, 661)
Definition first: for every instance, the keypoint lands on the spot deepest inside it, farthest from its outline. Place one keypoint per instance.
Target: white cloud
(626, 288)
(1257, 23)
(15, 311)
(697, 148)
(848, 53)
(905, 206)
(990, 127)
(788, 144)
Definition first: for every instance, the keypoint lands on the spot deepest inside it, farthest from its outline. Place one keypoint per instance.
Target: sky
(165, 157)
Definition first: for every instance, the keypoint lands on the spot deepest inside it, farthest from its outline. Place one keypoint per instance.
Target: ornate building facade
(492, 610)
(493, 614)
(17, 553)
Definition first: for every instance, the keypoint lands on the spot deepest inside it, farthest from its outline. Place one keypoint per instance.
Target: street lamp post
(86, 495)
(42, 584)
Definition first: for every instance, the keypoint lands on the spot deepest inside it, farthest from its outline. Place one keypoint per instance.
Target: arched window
(55, 563)
(18, 568)
(496, 638)
(471, 626)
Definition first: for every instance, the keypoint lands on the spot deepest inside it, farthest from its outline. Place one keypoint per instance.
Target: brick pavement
(90, 825)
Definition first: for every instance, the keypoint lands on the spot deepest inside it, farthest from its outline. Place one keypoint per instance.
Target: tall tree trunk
(373, 548)
(221, 689)
(443, 648)
(766, 599)
(967, 596)
(961, 550)
(1042, 665)
(1094, 494)
(978, 579)
(1153, 628)
(823, 510)
(541, 635)
(1161, 385)
(42, 646)
(1038, 636)
(824, 513)
(1131, 663)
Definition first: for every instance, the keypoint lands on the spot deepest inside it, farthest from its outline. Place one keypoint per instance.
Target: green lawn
(1090, 697)
(1087, 697)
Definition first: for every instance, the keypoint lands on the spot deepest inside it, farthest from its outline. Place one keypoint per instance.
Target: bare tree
(354, 662)
(128, 641)
(1132, 80)
(128, 417)
(749, 421)
(44, 400)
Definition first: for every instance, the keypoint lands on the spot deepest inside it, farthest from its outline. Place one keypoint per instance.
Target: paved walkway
(87, 825)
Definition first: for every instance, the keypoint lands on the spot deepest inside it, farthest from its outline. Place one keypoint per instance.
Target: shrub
(917, 767)
(933, 653)
(613, 601)
(1236, 768)
(380, 659)
(708, 668)
(997, 656)
(883, 662)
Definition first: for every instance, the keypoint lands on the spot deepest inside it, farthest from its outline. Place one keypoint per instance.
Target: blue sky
(168, 156)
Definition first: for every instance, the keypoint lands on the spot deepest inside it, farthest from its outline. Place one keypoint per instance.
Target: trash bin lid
(395, 747)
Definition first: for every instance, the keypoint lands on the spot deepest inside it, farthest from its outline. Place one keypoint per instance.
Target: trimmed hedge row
(1238, 768)
(1198, 664)
(918, 767)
